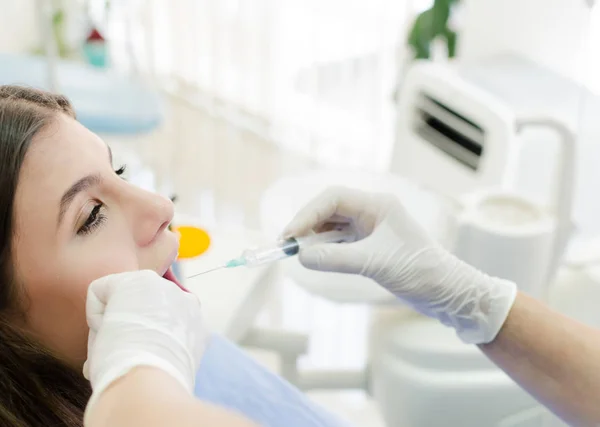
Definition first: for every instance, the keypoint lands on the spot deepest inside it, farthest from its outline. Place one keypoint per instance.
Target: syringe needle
(207, 271)
(282, 249)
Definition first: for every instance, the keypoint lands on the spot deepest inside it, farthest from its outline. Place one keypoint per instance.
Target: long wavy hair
(36, 388)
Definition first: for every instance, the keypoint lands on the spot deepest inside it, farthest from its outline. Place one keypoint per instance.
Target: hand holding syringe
(284, 249)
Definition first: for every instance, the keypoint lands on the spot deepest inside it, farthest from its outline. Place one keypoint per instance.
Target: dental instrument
(284, 248)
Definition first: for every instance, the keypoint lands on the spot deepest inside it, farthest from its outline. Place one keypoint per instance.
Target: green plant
(58, 31)
(429, 25)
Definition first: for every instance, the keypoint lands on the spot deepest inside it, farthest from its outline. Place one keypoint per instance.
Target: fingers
(334, 257)
(333, 205)
(106, 286)
(86, 364)
(101, 290)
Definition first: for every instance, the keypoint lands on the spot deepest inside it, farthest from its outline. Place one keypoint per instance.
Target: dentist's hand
(140, 319)
(393, 250)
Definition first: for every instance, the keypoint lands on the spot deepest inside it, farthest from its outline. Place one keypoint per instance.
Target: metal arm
(564, 183)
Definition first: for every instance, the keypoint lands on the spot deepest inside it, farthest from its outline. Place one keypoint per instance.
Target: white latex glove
(141, 319)
(393, 250)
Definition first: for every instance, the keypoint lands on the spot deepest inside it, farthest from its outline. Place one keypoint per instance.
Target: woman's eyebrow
(79, 186)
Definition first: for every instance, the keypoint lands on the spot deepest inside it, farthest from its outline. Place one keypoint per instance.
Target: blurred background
(243, 110)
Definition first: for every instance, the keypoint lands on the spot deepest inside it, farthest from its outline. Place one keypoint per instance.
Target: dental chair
(418, 372)
(278, 205)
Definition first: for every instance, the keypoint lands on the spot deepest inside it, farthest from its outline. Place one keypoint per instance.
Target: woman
(554, 358)
(67, 219)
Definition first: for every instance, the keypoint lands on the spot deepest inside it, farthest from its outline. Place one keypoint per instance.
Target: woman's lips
(170, 276)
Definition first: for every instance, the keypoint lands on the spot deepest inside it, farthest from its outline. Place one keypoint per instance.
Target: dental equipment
(284, 248)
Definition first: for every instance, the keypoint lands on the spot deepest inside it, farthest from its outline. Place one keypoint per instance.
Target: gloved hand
(393, 250)
(140, 319)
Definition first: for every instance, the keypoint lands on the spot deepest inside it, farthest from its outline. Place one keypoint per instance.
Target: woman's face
(76, 220)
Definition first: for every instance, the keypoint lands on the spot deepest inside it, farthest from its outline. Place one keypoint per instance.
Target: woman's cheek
(102, 263)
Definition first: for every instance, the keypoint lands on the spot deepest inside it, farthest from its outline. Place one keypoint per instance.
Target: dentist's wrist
(480, 303)
(439, 285)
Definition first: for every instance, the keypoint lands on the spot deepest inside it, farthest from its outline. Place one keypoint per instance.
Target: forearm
(554, 358)
(148, 397)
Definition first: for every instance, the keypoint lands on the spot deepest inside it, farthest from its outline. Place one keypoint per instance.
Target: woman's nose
(149, 214)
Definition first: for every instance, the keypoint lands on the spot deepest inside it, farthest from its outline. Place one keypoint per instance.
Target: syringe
(284, 248)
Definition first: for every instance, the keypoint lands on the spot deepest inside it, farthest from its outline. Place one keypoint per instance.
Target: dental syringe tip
(236, 262)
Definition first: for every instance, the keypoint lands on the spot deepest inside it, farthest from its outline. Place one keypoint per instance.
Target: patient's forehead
(59, 155)
(63, 145)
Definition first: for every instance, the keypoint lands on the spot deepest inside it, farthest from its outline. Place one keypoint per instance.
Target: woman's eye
(121, 170)
(93, 221)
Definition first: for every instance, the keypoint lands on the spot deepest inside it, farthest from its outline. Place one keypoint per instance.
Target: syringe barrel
(333, 236)
(290, 247)
(262, 255)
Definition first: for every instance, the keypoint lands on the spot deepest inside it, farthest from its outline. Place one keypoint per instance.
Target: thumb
(94, 308)
(102, 290)
(86, 365)
(334, 257)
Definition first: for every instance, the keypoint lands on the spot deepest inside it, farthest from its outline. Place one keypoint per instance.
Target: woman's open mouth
(170, 276)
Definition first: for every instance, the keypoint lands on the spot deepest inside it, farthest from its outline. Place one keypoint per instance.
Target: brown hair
(36, 388)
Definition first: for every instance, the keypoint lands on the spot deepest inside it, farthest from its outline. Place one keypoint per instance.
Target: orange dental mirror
(193, 241)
